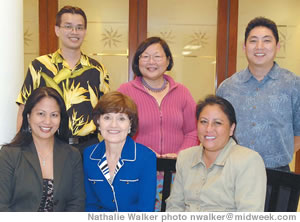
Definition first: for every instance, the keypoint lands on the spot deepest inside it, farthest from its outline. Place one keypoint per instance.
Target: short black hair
(143, 46)
(72, 10)
(264, 22)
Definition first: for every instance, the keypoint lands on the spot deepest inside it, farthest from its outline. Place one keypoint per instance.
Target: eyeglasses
(146, 58)
(70, 28)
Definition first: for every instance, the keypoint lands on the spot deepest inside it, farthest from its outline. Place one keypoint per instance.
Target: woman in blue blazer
(120, 175)
(38, 170)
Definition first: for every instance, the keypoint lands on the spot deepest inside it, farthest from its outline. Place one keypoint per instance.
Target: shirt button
(113, 201)
(127, 182)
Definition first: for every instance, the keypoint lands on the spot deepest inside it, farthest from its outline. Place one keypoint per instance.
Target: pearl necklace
(155, 89)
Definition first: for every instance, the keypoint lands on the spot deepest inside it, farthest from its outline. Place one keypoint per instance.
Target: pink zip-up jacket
(167, 128)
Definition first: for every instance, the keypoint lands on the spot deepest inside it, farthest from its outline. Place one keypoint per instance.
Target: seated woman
(218, 175)
(38, 170)
(120, 175)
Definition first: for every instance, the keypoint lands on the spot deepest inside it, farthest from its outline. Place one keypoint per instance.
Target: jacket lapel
(129, 150)
(59, 158)
(30, 154)
(128, 154)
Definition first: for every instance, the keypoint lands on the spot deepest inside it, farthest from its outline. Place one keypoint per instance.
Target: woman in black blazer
(38, 170)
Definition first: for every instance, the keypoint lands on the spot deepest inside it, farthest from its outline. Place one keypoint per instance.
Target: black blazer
(21, 182)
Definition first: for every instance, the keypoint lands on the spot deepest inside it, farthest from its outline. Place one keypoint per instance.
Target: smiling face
(44, 119)
(261, 48)
(114, 127)
(214, 128)
(156, 63)
(71, 38)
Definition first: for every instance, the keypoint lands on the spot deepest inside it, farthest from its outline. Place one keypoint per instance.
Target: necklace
(43, 159)
(155, 89)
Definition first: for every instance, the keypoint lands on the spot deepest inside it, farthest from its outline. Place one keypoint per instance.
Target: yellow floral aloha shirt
(80, 87)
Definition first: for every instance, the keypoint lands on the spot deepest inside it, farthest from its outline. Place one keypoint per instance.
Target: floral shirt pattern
(80, 87)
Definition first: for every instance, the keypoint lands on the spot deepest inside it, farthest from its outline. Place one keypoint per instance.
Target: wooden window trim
(47, 37)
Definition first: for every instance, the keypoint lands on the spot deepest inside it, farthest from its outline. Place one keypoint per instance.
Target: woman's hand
(167, 156)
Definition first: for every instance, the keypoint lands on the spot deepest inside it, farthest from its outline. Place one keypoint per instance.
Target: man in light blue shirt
(266, 98)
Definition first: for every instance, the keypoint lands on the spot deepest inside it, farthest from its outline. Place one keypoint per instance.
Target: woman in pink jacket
(166, 109)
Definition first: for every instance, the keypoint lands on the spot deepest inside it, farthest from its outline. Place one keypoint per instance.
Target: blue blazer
(134, 185)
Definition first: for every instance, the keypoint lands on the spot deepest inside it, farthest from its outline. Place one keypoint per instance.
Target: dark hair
(72, 10)
(24, 137)
(224, 105)
(264, 22)
(116, 102)
(143, 46)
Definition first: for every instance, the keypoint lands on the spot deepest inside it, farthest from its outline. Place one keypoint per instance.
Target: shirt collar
(274, 73)
(128, 151)
(58, 58)
(222, 157)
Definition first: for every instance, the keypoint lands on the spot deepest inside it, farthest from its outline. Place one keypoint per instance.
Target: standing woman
(167, 122)
(38, 170)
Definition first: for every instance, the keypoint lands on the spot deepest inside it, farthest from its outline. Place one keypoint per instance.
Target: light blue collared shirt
(267, 111)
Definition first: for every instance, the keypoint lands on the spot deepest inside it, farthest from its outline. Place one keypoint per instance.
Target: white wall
(11, 63)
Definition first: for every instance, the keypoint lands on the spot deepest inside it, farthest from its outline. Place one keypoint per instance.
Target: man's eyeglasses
(78, 28)
(146, 58)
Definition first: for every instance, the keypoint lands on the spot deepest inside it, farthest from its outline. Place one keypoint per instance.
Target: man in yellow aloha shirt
(80, 80)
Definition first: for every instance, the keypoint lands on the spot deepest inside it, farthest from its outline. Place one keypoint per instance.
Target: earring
(29, 128)
(58, 131)
(129, 131)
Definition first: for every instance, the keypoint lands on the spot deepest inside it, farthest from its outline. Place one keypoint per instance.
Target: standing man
(79, 79)
(266, 98)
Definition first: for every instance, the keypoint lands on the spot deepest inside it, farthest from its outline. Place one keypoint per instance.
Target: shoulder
(179, 90)
(126, 86)
(178, 86)
(88, 151)
(144, 151)
(132, 88)
(288, 75)
(10, 155)
(93, 61)
(65, 147)
(244, 156)
(10, 150)
(237, 77)
(129, 85)
(42, 59)
(182, 88)
(186, 156)
(233, 84)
